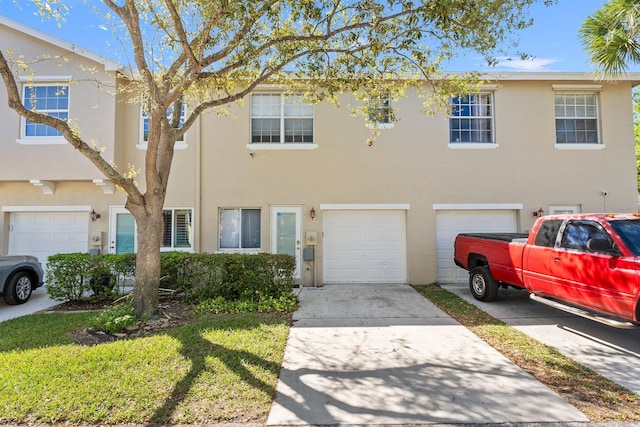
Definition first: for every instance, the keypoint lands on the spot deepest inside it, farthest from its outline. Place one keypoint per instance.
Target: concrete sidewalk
(383, 354)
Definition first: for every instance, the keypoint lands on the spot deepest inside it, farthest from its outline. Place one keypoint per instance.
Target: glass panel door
(122, 231)
(285, 233)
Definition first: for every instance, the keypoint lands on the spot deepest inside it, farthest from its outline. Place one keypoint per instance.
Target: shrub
(116, 318)
(69, 276)
(285, 303)
(260, 279)
(243, 277)
(80, 276)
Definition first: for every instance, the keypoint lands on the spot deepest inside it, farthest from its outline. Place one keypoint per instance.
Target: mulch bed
(172, 313)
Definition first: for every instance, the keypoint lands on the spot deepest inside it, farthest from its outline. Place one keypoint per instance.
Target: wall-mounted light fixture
(312, 213)
(94, 215)
(538, 213)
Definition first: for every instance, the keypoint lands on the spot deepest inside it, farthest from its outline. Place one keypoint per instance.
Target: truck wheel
(482, 284)
(18, 288)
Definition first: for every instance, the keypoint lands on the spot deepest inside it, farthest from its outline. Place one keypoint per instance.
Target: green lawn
(221, 368)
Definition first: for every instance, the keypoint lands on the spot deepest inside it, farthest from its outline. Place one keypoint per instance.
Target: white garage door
(364, 247)
(450, 223)
(48, 233)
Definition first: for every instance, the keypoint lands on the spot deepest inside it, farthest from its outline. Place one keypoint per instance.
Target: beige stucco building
(281, 176)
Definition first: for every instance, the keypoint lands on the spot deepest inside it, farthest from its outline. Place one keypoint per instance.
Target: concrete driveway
(383, 354)
(613, 353)
(38, 301)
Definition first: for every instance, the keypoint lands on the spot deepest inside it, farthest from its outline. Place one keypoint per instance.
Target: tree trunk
(147, 283)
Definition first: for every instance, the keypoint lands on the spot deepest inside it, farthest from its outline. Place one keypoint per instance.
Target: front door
(122, 231)
(285, 233)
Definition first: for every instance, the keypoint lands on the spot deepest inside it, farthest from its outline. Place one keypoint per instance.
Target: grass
(598, 398)
(221, 368)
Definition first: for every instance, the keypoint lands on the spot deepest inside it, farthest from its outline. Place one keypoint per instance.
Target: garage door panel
(364, 247)
(47, 233)
(450, 223)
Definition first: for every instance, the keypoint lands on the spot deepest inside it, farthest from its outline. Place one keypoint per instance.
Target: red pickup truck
(587, 264)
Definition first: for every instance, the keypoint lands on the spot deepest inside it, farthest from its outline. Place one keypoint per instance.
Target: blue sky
(552, 41)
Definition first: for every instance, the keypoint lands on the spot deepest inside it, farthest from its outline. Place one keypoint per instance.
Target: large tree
(612, 37)
(208, 54)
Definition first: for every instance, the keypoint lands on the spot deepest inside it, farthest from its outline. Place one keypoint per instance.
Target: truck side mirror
(601, 245)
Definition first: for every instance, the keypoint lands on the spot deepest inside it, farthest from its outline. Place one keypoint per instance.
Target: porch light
(94, 215)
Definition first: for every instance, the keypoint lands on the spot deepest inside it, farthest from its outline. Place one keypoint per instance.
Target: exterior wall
(91, 107)
(410, 165)
(413, 164)
(20, 196)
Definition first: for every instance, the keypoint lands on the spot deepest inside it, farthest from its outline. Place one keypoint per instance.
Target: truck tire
(18, 288)
(482, 284)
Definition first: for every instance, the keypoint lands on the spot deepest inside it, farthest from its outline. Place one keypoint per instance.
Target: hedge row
(78, 276)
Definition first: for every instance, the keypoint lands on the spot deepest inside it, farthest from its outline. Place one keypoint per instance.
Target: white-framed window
(51, 99)
(576, 118)
(380, 112)
(281, 119)
(240, 229)
(144, 126)
(471, 119)
(564, 209)
(177, 232)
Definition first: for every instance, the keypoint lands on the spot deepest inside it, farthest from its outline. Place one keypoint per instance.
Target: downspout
(198, 188)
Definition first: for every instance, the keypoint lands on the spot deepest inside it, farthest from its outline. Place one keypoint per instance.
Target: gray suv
(19, 276)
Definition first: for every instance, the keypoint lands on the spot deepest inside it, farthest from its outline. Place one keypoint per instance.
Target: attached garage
(451, 221)
(45, 233)
(364, 245)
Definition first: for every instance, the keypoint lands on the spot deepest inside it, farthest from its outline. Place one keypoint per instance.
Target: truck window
(547, 233)
(629, 232)
(578, 233)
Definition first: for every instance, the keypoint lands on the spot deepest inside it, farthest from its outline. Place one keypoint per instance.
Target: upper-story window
(576, 118)
(144, 126)
(380, 111)
(50, 99)
(471, 119)
(280, 119)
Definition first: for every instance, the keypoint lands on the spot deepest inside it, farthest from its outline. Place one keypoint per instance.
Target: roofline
(554, 75)
(109, 64)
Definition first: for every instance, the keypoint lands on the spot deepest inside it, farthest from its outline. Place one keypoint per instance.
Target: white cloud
(518, 64)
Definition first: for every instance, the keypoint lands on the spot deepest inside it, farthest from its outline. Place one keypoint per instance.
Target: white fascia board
(477, 206)
(364, 206)
(547, 75)
(64, 208)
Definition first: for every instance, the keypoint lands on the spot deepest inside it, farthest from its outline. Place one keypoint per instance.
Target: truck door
(589, 275)
(537, 259)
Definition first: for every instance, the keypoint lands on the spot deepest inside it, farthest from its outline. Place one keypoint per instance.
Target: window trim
(173, 248)
(389, 123)
(579, 90)
(282, 145)
(239, 249)
(475, 145)
(47, 81)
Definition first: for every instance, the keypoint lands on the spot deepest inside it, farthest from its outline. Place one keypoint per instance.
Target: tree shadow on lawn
(197, 349)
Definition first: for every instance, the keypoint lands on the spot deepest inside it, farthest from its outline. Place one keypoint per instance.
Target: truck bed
(503, 237)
